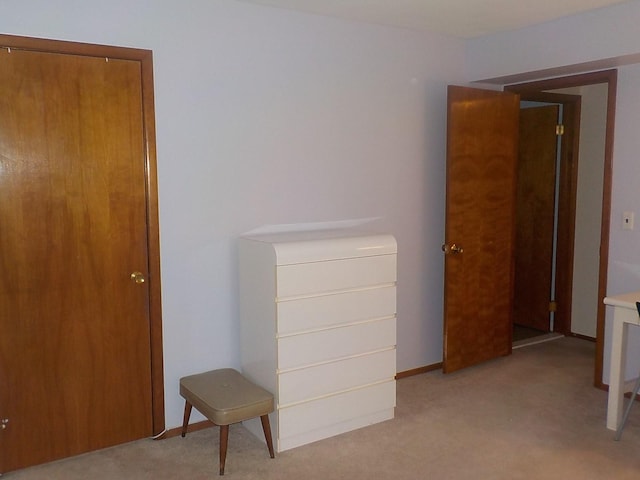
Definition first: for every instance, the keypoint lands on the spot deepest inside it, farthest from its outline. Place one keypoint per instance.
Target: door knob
(137, 277)
(453, 248)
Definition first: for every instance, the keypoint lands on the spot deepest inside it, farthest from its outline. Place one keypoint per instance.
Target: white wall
(611, 35)
(588, 226)
(267, 117)
(624, 246)
(588, 222)
(607, 33)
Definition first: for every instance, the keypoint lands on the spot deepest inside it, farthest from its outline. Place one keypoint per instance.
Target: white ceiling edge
(458, 18)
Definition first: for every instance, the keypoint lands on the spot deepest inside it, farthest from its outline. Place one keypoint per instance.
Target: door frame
(145, 60)
(608, 77)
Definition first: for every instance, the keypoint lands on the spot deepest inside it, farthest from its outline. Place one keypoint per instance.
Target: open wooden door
(535, 211)
(482, 151)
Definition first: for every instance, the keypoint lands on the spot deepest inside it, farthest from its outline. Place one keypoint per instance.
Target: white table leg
(616, 372)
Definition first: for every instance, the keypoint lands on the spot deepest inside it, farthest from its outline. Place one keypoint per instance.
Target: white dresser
(318, 330)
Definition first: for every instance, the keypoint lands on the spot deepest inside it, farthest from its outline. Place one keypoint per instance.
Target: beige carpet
(533, 415)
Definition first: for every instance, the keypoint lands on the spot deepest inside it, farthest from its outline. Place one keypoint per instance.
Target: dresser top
(321, 245)
(625, 300)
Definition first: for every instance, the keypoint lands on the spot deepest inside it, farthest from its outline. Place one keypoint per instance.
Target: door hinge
(553, 306)
(560, 129)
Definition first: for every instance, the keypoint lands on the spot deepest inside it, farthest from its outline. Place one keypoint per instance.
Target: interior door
(482, 149)
(75, 343)
(535, 211)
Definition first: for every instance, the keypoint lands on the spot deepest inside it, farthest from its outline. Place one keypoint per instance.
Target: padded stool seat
(224, 396)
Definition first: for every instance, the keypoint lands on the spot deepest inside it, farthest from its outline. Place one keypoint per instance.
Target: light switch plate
(627, 220)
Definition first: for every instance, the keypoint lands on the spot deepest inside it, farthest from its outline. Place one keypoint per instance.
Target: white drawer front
(321, 413)
(308, 383)
(334, 275)
(340, 308)
(335, 343)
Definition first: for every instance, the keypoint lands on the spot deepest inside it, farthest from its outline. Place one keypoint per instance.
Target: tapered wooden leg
(185, 420)
(266, 428)
(224, 440)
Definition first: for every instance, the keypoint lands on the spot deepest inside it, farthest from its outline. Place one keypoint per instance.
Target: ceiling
(459, 18)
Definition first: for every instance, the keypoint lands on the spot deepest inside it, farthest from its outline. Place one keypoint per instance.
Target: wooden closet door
(535, 216)
(75, 362)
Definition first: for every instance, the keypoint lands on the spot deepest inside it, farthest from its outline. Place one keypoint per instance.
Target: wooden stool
(224, 396)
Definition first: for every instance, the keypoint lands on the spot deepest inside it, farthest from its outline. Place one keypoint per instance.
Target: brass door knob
(137, 277)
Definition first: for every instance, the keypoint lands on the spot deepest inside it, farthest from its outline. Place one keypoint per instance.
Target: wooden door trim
(145, 58)
(608, 77)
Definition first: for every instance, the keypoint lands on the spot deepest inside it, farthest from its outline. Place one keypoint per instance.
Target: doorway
(81, 345)
(569, 174)
(548, 153)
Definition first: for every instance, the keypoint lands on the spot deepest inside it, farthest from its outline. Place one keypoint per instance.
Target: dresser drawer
(312, 382)
(321, 413)
(334, 275)
(317, 312)
(334, 343)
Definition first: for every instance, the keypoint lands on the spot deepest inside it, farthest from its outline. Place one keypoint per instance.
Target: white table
(625, 313)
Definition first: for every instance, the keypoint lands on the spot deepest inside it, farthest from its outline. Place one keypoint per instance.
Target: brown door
(482, 148)
(535, 216)
(75, 343)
